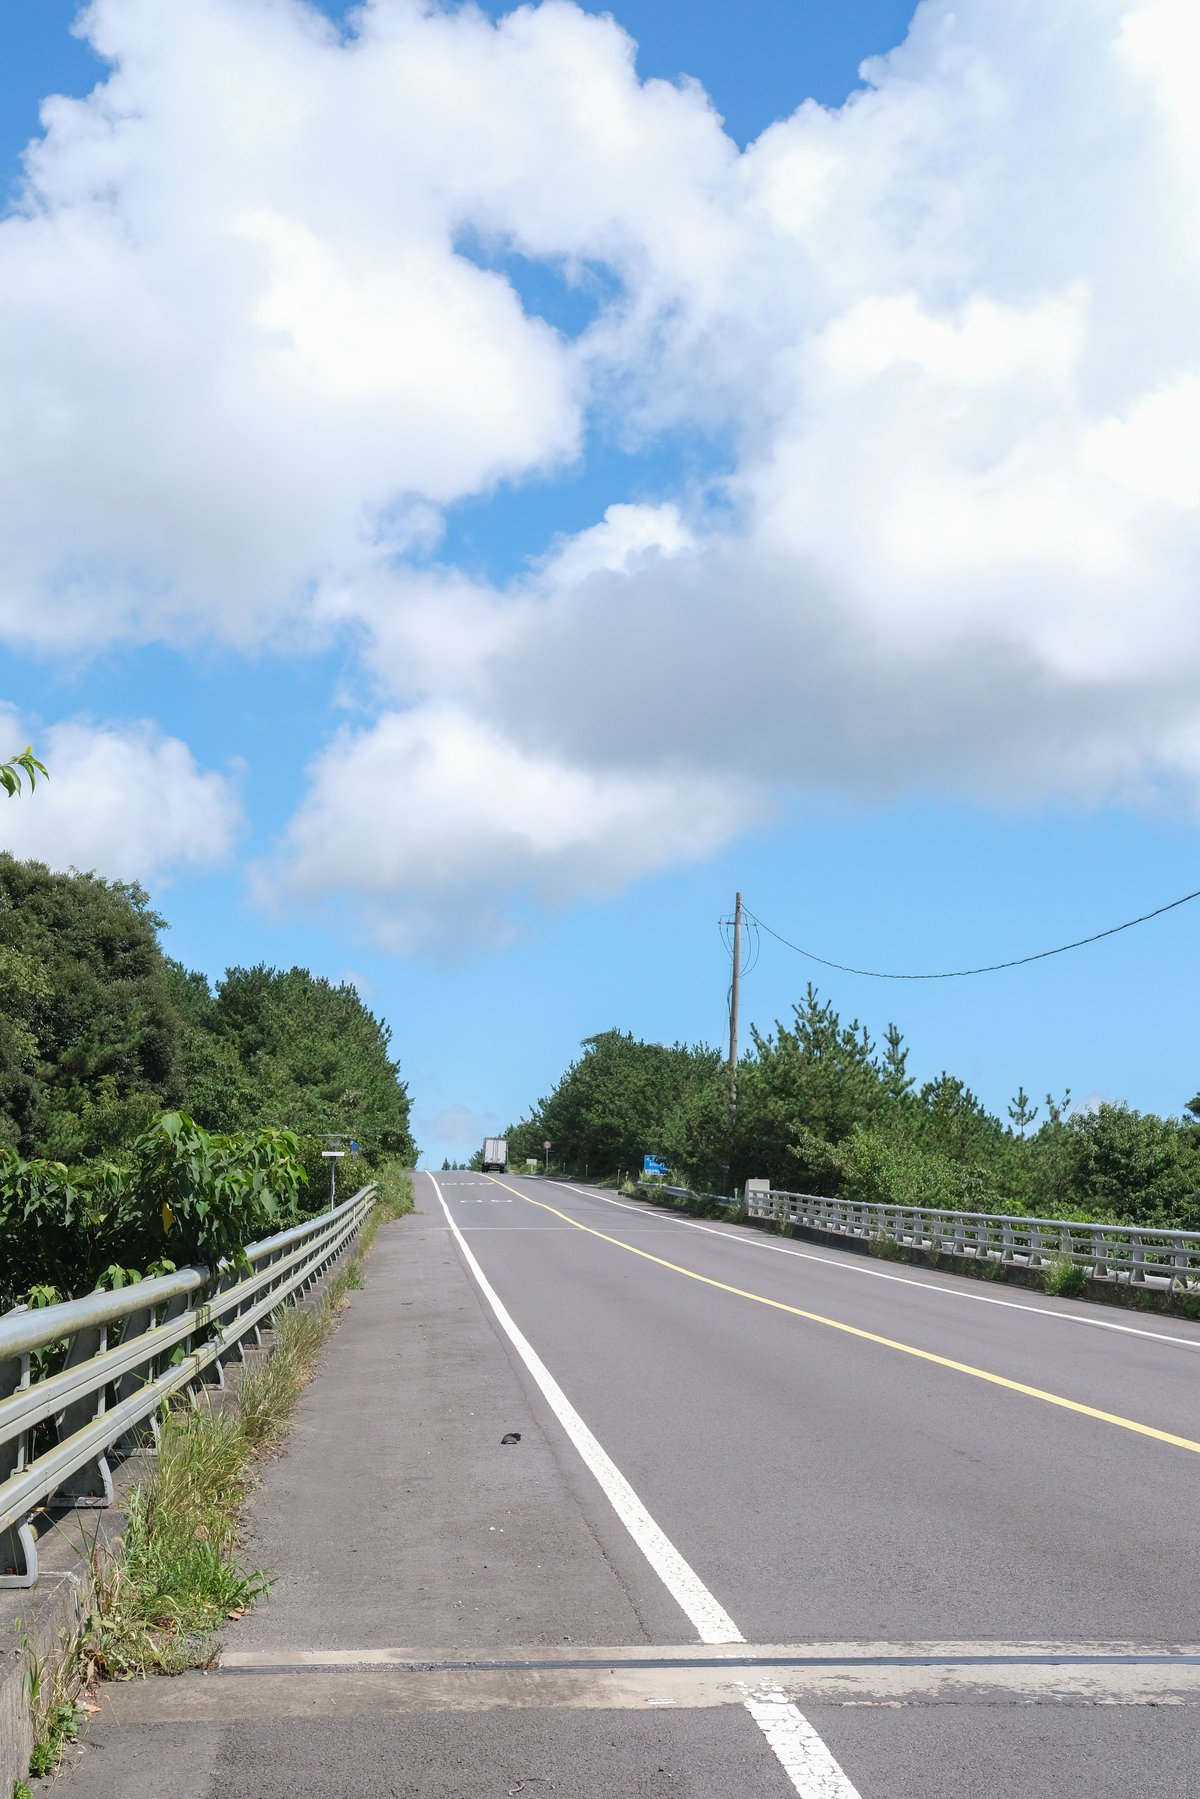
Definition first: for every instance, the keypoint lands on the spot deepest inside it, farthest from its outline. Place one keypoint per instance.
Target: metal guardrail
(1108, 1252)
(128, 1351)
(716, 1199)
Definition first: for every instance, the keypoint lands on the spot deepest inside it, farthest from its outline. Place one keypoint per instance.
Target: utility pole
(733, 1008)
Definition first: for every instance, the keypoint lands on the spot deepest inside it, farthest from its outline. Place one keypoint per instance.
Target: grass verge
(165, 1590)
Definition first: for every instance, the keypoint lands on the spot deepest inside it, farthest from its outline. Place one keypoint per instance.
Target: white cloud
(236, 345)
(946, 333)
(630, 539)
(122, 800)
(435, 821)
(459, 1125)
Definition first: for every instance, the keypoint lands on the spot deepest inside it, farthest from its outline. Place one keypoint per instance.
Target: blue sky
(313, 577)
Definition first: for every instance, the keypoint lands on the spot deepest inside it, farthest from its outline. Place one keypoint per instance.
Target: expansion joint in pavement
(689, 1677)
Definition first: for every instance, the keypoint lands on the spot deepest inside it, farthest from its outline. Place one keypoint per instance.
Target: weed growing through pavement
(52, 1709)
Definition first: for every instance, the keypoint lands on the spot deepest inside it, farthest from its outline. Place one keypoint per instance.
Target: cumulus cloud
(945, 334)
(472, 821)
(122, 800)
(460, 1126)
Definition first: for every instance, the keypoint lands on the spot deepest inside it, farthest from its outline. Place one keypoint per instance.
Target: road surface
(770, 1519)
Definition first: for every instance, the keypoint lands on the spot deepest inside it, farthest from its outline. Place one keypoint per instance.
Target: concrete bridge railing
(1108, 1252)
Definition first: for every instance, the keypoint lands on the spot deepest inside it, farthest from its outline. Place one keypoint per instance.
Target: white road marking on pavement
(753, 1241)
(801, 1753)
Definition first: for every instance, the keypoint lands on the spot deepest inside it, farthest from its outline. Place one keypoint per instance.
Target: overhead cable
(955, 974)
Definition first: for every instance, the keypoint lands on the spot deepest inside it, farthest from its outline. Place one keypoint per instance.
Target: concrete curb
(45, 1623)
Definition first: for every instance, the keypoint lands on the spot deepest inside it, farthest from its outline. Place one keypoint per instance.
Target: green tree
(93, 1038)
(897, 1082)
(217, 1087)
(1133, 1167)
(613, 1105)
(803, 1088)
(313, 1058)
(1021, 1112)
(952, 1120)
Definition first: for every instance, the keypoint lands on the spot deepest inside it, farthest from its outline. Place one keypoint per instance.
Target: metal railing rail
(127, 1352)
(1109, 1252)
(716, 1199)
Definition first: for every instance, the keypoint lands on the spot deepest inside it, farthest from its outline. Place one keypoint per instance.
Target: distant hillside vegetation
(822, 1109)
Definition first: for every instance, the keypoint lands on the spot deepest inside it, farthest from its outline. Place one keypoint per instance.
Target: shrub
(1064, 1277)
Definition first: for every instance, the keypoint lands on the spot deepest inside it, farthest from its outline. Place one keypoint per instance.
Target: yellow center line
(854, 1330)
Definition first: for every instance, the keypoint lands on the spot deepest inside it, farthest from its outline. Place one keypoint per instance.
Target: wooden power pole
(733, 1007)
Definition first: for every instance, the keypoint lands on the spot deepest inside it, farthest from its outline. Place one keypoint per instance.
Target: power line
(954, 974)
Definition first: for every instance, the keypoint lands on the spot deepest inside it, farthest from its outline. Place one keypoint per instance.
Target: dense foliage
(181, 1196)
(276, 1046)
(145, 1117)
(823, 1109)
(89, 1039)
(100, 1032)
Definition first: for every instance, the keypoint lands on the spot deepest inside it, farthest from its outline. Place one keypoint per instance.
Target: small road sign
(653, 1165)
(547, 1144)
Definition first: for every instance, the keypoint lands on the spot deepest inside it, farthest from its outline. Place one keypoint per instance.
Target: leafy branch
(25, 764)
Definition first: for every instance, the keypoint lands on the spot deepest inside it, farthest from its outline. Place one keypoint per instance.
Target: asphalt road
(778, 1519)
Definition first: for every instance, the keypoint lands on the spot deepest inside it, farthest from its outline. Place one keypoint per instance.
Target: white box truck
(495, 1155)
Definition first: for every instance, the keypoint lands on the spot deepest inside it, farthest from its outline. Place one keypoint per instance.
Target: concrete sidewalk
(396, 1515)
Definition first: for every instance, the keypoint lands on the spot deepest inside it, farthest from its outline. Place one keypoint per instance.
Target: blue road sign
(653, 1165)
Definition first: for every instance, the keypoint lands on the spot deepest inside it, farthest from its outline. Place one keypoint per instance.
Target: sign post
(333, 1156)
(547, 1146)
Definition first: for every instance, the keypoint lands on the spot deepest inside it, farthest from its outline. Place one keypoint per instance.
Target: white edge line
(753, 1241)
(713, 1624)
(797, 1747)
(800, 1751)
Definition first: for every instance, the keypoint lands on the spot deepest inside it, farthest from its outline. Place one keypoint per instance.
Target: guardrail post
(18, 1545)
(144, 1435)
(1006, 1241)
(1138, 1258)
(175, 1308)
(1179, 1277)
(1099, 1254)
(90, 1485)
(227, 1322)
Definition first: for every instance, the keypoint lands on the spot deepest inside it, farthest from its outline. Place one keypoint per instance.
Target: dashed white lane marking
(753, 1241)
(801, 1753)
